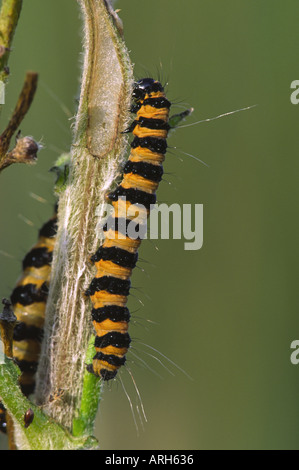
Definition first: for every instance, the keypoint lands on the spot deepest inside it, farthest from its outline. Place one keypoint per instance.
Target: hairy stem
(97, 151)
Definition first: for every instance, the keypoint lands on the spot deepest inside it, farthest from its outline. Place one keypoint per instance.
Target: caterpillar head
(144, 87)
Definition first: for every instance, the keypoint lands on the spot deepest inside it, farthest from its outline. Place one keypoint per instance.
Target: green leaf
(43, 433)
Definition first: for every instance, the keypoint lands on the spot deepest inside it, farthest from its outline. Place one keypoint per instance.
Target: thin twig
(20, 111)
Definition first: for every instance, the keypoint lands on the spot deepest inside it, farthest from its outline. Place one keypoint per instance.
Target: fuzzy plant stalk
(98, 149)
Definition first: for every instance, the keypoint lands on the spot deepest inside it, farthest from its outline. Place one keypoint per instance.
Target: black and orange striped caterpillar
(29, 299)
(117, 256)
(29, 303)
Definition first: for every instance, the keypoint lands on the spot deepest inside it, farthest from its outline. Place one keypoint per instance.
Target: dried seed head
(25, 150)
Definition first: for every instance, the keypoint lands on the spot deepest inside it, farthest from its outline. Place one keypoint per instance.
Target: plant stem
(23, 104)
(83, 424)
(9, 16)
(98, 148)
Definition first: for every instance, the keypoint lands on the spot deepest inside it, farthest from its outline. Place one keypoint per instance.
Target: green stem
(9, 16)
(83, 425)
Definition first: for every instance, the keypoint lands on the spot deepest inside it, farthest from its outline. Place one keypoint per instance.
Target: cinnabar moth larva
(117, 256)
(29, 303)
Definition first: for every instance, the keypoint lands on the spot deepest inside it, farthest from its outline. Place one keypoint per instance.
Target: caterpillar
(29, 303)
(117, 256)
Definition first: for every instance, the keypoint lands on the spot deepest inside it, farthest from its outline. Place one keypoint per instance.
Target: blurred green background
(227, 313)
